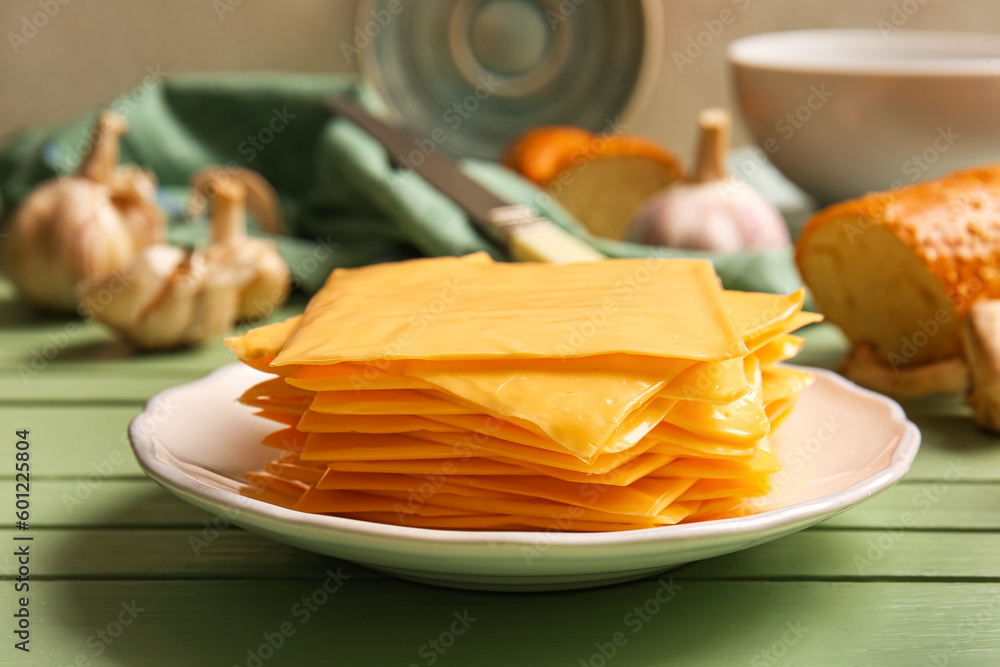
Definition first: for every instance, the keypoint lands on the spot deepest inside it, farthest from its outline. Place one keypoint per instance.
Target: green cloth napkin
(343, 200)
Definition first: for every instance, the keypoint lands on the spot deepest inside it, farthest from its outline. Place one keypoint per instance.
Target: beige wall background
(90, 51)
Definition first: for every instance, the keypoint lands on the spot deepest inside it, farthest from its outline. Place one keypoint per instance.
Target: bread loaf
(899, 270)
(602, 179)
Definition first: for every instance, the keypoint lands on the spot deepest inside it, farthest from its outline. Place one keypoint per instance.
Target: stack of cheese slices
(462, 393)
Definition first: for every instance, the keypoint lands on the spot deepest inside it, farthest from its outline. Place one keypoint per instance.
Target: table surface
(123, 573)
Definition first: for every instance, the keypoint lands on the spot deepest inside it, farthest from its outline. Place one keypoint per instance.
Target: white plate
(841, 445)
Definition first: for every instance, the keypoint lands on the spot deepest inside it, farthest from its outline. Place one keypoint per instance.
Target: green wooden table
(123, 573)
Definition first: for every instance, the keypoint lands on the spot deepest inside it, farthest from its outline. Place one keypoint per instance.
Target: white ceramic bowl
(842, 445)
(844, 112)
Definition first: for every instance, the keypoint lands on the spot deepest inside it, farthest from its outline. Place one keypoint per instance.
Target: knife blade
(526, 235)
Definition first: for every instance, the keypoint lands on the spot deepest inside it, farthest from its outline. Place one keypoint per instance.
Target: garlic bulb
(711, 210)
(174, 297)
(82, 226)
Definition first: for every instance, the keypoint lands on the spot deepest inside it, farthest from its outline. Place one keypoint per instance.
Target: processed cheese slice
(463, 466)
(710, 489)
(289, 439)
(560, 515)
(641, 498)
(378, 447)
(488, 522)
(468, 444)
(764, 463)
(741, 420)
(314, 422)
(352, 377)
(778, 349)
(781, 382)
(387, 402)
(474, 308)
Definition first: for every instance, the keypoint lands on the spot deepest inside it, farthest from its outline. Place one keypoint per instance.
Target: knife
(519, 228)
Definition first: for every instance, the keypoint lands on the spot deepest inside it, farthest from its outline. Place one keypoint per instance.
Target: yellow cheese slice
(452, 466)
(474, 308)
(275, 388)
(286, 418)
(486, 522)
(289, 439)
(320, 501)
(622, 475)
(644, 497)
(710, 489)
(378, 447)
(286, 487)
(670, 439)
(263, 341)
(765, 463)
(314, 422)
(468, 444)
(294, 472)
(388, 402)
(721, 508)
(352, 377)
(781, 382)
(270, 496)
(762, 316)
(741, 420)
(779, 411)
(778, 349)
(558, 515)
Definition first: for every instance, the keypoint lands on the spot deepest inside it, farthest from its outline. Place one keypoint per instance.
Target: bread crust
(541, 154)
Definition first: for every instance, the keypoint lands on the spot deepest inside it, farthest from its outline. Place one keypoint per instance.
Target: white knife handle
(531, 238)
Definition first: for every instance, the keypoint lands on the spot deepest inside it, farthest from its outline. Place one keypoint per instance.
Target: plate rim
(143, 445)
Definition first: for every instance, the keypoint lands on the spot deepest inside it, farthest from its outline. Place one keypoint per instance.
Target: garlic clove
(122, 300)
(217, 307)
(270, 287)
(167, 320)
(133, 192)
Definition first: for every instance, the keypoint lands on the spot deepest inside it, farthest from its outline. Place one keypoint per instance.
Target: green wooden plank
(32, 345)
(952, 447)
(98, 502)
(892, 552)
(385, 622)
(61, 389)
(205, 551)
(214, 549)
(32, 356)
(72, 441)
(926, 506)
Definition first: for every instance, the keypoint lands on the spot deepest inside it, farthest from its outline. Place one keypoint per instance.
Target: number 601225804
(22, 477)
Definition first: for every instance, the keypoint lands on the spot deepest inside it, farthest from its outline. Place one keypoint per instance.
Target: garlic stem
(259, 196)
(229, 213)
(713, 146)
(102, 158)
